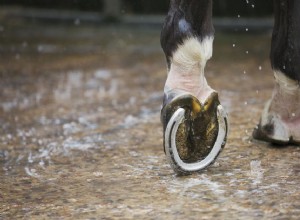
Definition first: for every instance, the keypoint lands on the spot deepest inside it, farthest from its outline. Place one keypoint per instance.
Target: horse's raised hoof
(194, 132)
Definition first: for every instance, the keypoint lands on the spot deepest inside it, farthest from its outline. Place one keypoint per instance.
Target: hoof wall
(261, 133)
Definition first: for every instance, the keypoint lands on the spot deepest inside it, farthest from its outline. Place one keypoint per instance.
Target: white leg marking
(283, 108)
(187, 67)
(286, 84)
(193, 52)
(280, 130)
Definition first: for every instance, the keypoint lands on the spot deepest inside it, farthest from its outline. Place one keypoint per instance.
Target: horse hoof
(194, 133)
(273, 129)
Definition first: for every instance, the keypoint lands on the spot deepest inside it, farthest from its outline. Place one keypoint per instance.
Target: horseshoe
(178, 165)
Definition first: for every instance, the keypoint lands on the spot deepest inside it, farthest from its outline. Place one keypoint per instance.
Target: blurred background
(222, 8)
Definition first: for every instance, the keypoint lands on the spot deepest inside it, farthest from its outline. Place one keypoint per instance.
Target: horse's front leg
(195, 125)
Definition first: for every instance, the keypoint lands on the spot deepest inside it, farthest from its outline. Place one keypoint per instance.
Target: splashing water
(256, 172)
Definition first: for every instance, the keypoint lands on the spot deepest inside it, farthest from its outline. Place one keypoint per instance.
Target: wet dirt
(81, 138)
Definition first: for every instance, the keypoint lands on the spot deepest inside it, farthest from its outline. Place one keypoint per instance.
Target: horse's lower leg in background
(195, 126)
(280, 121)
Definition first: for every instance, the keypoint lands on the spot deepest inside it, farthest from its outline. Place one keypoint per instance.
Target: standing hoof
(266, 133)
(194, 133)
(275, 130)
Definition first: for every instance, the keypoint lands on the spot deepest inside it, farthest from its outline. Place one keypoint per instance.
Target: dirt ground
(81, 138)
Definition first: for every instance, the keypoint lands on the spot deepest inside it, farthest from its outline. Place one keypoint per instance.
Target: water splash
(182, 186)
(256, 172)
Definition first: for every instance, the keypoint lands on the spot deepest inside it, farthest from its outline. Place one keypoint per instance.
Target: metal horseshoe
(172, 154)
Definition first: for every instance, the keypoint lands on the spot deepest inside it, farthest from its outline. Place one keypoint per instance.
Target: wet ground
(80, 134)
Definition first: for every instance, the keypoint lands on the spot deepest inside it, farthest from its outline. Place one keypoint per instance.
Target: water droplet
(247, 29)
(246, 103)
(238, 16)
(42, 163)
(77, 21)
(24, 44)
(247, 52)
(97, 174)
(283, 67)
(245, 72)
(252, 5)
(260, 68)
(233, 45)
(293, 114)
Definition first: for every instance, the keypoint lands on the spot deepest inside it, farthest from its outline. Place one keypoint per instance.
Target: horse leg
(195, 126)
(280, 121)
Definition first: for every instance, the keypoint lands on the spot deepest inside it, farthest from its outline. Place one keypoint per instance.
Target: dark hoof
(194, 133)
(261, 133)
(265, 133)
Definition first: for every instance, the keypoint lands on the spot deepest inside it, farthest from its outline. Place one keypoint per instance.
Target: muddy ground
(81, 138)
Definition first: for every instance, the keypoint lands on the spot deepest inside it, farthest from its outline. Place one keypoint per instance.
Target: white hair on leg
(193, 52)
(187, 67)
(280, 130)
(277, 115)
(286, 84)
